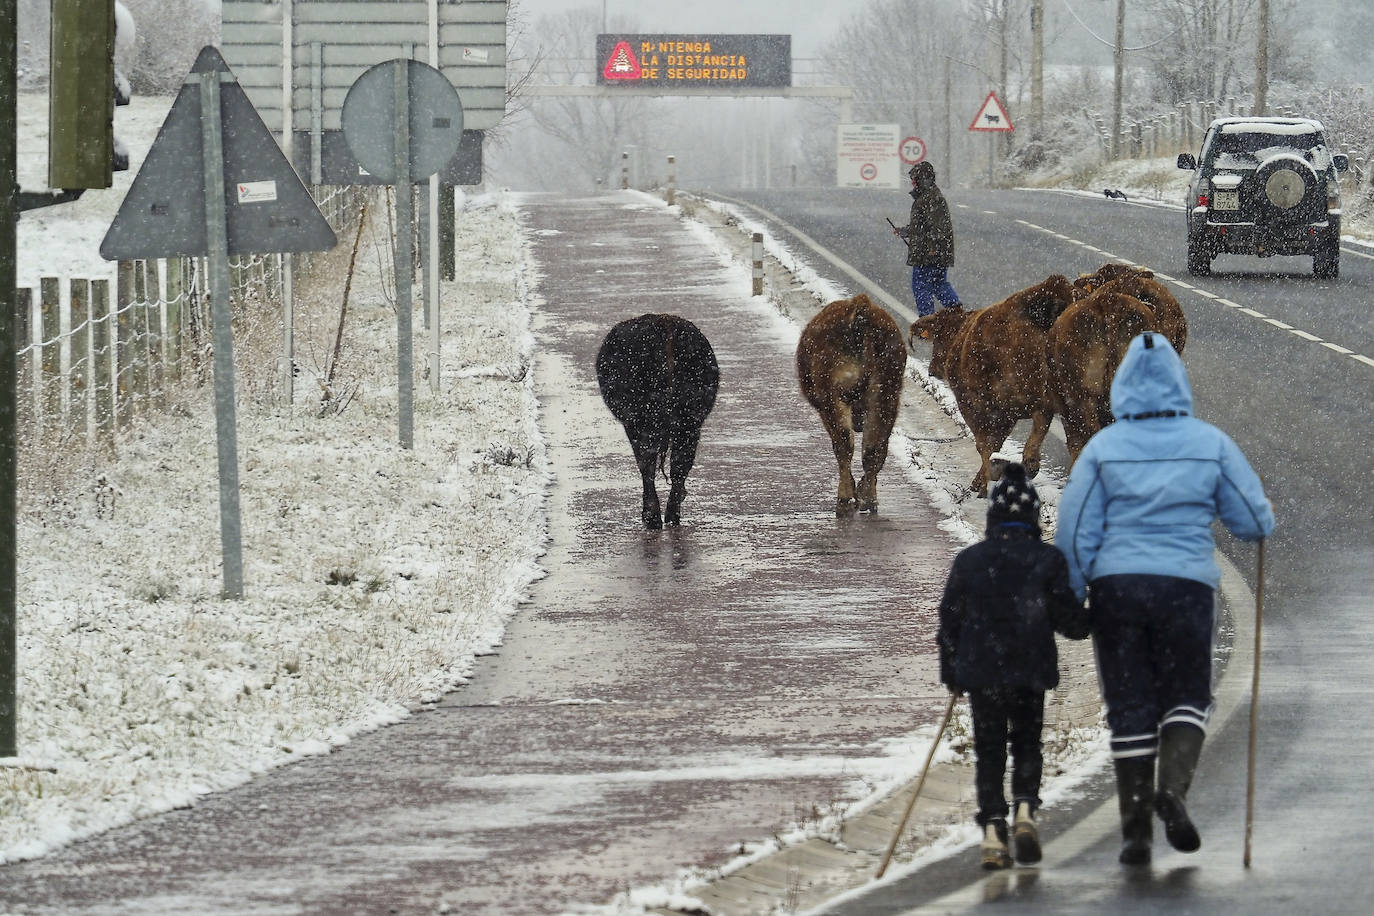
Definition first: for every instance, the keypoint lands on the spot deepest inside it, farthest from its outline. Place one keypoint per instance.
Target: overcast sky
(809, 22)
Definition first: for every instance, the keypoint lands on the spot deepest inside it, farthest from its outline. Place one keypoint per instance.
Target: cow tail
(669, 365)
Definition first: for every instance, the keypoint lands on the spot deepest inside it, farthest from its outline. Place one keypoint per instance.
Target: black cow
(658, 375)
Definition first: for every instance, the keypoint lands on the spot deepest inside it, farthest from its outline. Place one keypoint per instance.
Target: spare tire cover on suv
(1287, 189)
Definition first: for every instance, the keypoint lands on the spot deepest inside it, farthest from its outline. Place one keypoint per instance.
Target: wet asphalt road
(663, 698)
(1261, 369)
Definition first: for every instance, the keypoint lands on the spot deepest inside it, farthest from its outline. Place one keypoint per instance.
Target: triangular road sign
(622, 64)
(992, 116)
(267, 207)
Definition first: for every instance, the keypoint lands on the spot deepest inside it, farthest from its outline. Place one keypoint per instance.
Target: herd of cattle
(1050, 349)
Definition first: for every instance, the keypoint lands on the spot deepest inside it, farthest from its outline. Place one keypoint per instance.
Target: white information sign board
(867, 156)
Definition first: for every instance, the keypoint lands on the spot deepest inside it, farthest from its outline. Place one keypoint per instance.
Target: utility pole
(9, 447)
(1262, 61)
(1118, 60)
(1037, 66)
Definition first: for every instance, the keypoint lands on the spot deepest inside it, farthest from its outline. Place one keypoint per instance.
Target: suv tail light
(1202, 200)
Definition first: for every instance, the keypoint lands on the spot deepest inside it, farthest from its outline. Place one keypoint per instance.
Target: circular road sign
(913, 150)
(868, 171)
(369, 118)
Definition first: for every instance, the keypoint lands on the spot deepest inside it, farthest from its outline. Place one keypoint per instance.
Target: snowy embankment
(373, 575)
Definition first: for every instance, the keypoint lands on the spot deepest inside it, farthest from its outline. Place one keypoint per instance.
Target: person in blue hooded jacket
(1135, 523)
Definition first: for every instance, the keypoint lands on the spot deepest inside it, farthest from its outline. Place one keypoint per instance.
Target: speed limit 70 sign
(913, 150)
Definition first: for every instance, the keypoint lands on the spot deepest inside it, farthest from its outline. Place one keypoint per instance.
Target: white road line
(1306, 336)
(1252, 313)
(1337, 347)
(1229, 304)
(1364, 359)
(1279, 324)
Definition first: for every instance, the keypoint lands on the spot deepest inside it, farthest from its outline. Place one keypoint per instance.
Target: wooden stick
(1254, 705)
(944, 723)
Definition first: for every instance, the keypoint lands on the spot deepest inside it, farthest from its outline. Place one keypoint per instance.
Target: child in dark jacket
(1005, 598)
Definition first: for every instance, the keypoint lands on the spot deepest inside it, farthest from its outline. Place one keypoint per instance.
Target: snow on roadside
(374, 576)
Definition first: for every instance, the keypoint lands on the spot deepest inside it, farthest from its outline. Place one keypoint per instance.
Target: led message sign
(667, 61)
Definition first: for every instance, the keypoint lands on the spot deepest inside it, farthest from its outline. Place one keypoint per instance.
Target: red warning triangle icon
(622, 64)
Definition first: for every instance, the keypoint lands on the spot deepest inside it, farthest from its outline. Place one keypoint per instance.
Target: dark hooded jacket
(929, 234)
(1005, 598)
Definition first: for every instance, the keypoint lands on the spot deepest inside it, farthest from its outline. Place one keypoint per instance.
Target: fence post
(123, 335)
(23, 344)
(79, 375)
(175, 296)
(102, 373)
(672, 179)
(157, 394)
(138, 367)
(624, 169)
(50, 350)
(758, 263)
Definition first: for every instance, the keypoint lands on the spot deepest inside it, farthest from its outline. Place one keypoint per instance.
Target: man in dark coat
(1004, 599)
(929, 238)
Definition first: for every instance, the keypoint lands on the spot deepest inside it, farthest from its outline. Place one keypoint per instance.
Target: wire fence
(93, 356)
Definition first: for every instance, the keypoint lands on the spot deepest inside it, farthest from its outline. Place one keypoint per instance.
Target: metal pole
(404, 266)
(916, 793)
(217, 246)
(432, 227)
(9, 446)
(288, 261)
(1254, 704)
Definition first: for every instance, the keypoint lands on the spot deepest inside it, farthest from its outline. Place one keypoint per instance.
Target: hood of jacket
(922, 177)
(1150, 380)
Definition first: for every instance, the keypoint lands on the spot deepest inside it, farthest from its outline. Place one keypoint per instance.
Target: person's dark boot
(1135, 794)
(1179, 747)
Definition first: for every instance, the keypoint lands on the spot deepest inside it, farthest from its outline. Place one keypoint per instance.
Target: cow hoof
(845, 506)
(653, 522)
(671, 521)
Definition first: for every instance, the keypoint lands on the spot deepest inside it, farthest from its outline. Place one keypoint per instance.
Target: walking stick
(944, 723)
(1254, 704)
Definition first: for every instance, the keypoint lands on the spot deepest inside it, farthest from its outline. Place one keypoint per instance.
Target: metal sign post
(403, 122)
(405, 269)
(226, 427)
(251, 202)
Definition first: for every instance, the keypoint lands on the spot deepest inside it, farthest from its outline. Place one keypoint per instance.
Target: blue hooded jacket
(1145, 490)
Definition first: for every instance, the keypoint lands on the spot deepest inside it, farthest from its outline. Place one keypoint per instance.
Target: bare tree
(569, 141)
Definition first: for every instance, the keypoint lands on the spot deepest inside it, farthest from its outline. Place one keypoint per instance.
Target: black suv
(1264, 186)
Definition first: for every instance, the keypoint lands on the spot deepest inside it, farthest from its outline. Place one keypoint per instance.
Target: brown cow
(1088, 341)
(850, 362)
(993, 360)
(1141, 283)
(1085, 346)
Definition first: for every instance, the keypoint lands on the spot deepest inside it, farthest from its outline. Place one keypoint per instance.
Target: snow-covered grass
(374, 575)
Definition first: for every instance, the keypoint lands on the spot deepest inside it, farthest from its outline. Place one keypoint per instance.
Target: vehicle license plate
(1226, 200)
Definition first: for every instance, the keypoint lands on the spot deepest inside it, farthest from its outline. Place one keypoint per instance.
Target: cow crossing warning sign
(622, 64)
(992, 116)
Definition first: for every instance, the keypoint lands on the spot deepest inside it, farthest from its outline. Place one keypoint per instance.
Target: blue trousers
(929, 284)
(1153, 639)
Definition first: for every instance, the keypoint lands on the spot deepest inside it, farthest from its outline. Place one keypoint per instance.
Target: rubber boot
(1180, 745)
(1135, 791)
(994, 848)
(1025, 838)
